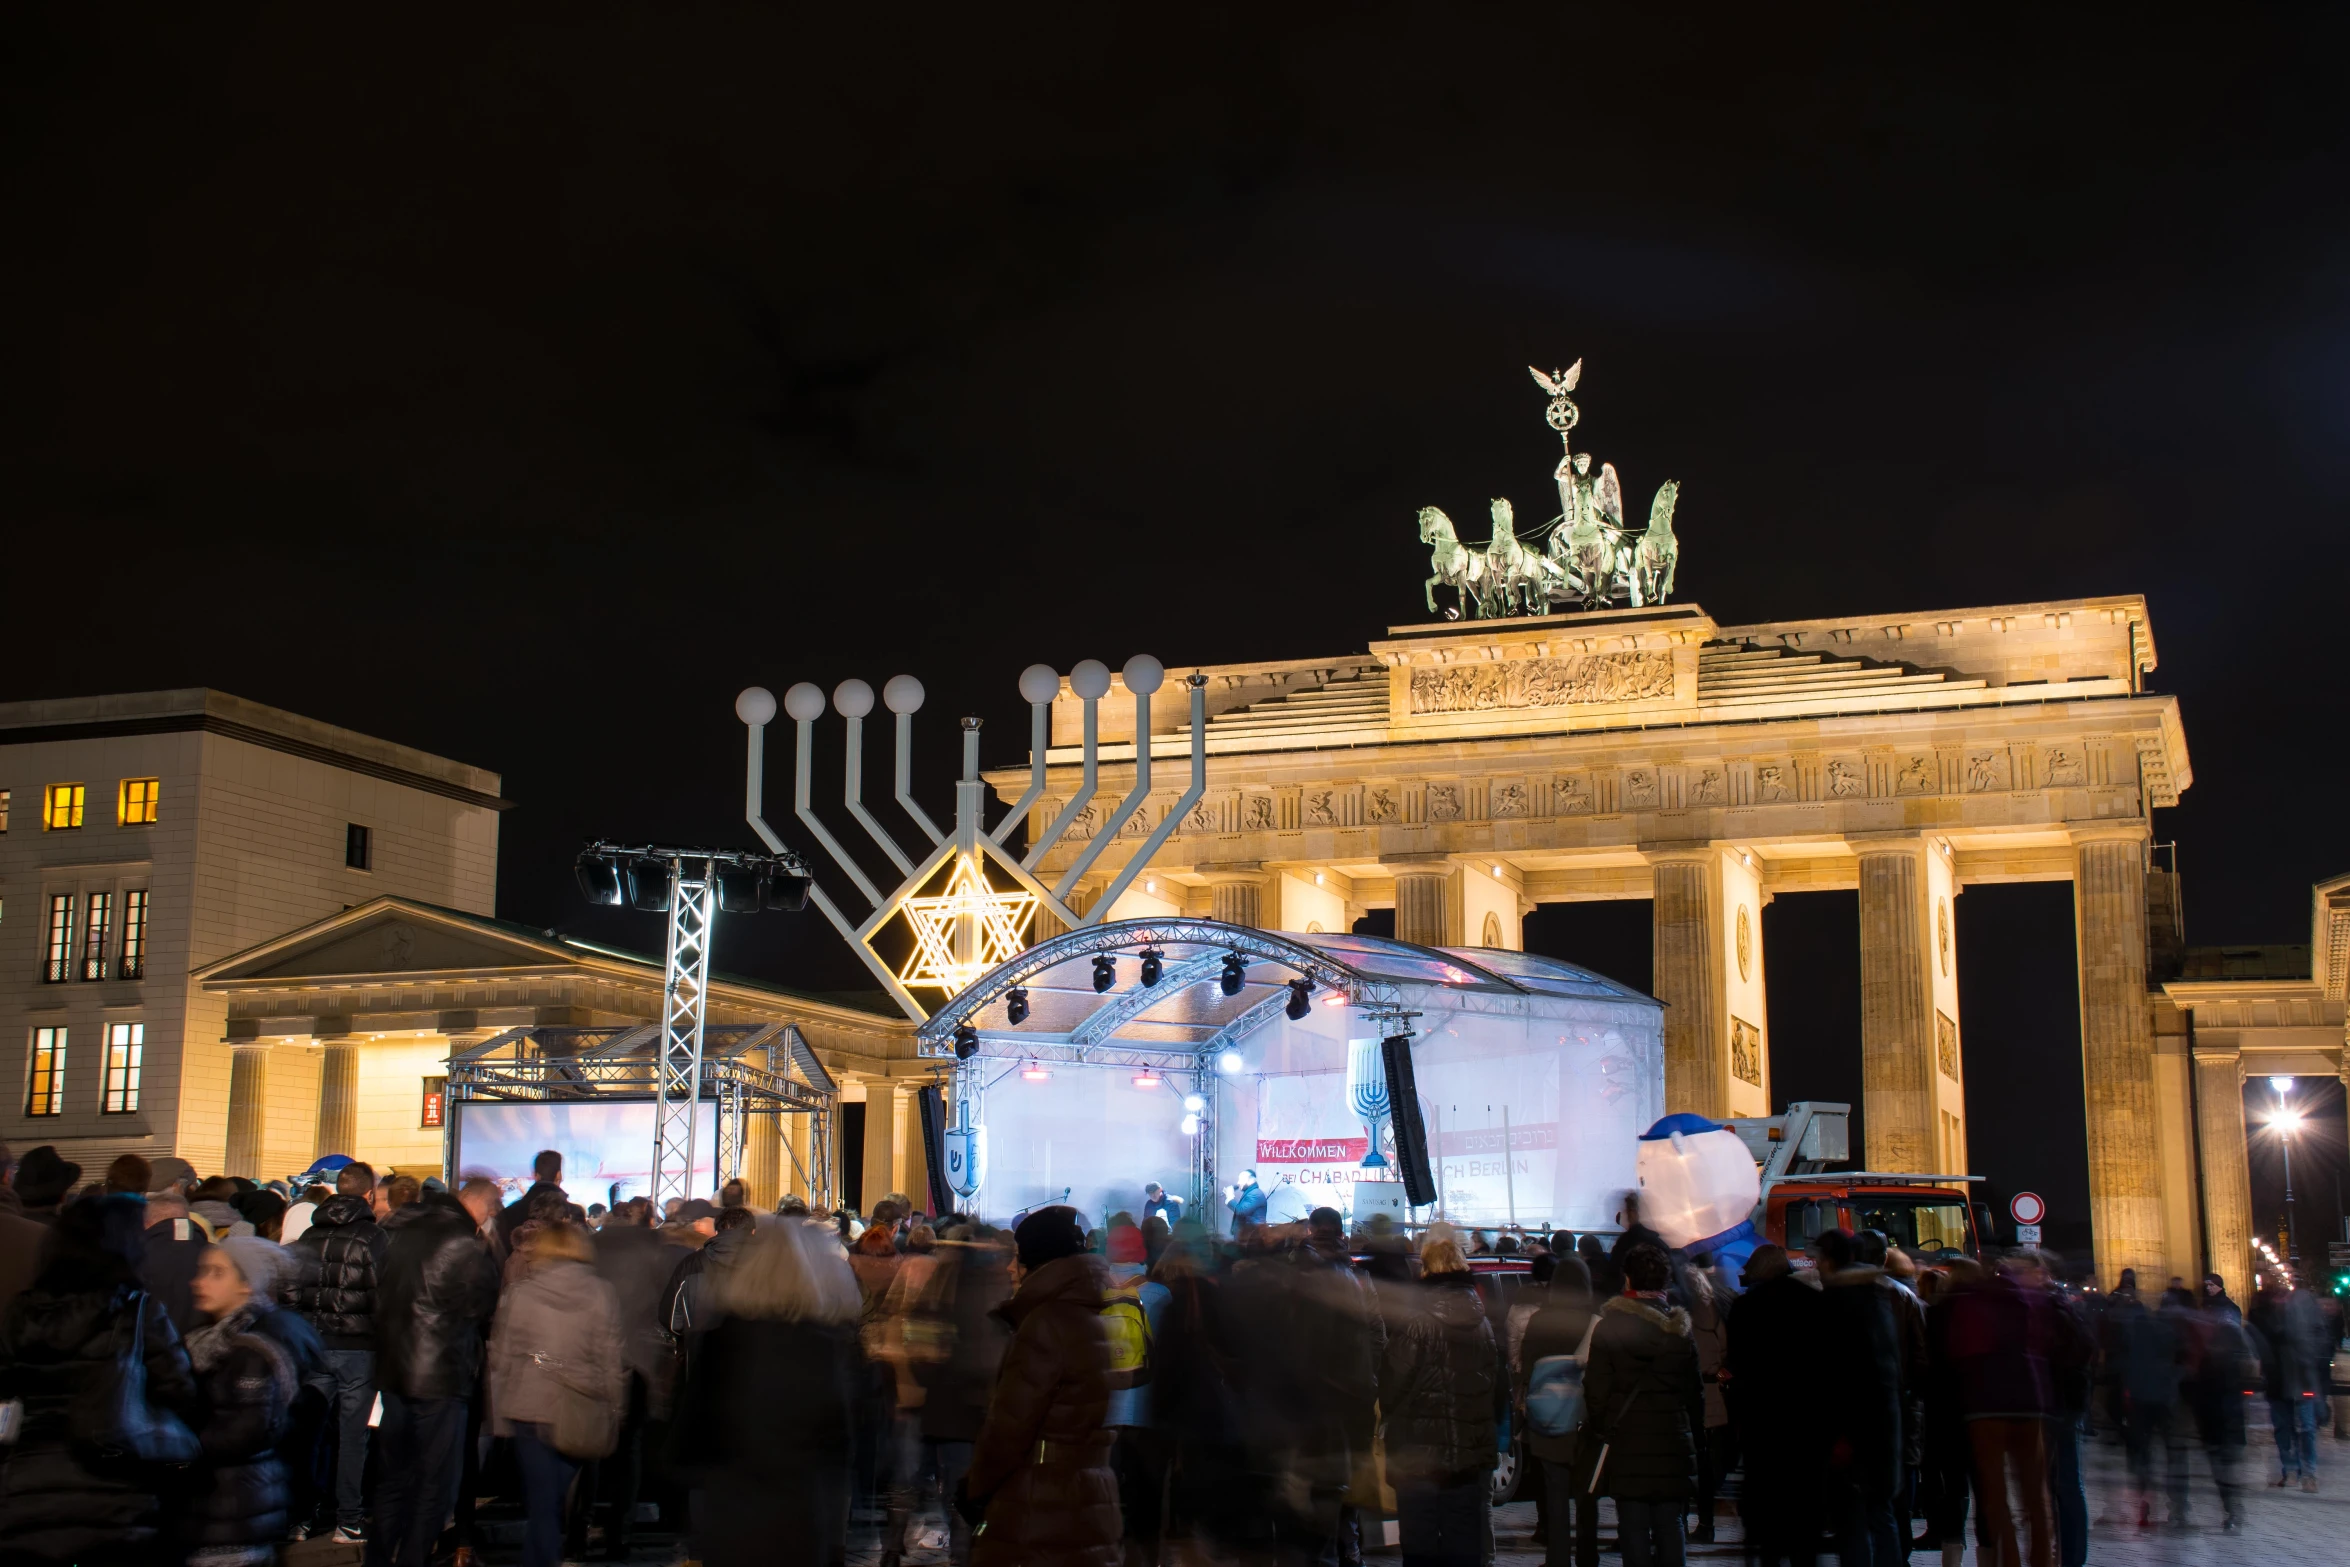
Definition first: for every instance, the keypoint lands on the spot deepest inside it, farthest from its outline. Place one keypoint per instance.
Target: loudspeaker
(933, 1111)
(1403, 1113)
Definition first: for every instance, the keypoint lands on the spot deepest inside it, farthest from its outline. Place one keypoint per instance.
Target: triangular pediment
(392, 936)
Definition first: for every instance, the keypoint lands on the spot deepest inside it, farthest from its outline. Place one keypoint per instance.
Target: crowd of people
(204, 1370)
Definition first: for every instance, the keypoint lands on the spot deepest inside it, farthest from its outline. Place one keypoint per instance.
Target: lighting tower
(691, 886)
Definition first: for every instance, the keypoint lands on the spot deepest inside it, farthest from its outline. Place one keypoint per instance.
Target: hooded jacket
(1442, 1384)
(337, 1264)
(439, 1288)
(559, 1325)
(235, 1495)
(1042, 1459)
(58, 1343)
(1643, 1401)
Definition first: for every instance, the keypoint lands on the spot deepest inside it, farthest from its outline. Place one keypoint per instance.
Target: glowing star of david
(998, 920)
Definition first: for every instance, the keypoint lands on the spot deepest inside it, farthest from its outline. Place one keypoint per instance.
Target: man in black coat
(1645, 1410)
(439, 1286)
(335, 1288)
(174, 1244)
(546, 1171)
(1769, 1377)
(1859, 1385)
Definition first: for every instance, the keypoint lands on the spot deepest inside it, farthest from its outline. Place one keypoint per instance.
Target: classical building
(150, 835)
(2232, 1015)
(249, 938)
(1462, 773)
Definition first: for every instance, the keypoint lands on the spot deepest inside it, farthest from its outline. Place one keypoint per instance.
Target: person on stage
(1247, 1203)
(1156, 1203)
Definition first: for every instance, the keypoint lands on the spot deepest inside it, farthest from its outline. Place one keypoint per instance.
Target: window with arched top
(1492, 936)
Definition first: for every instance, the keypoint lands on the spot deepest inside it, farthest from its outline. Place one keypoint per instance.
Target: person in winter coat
(955, 1344)
(1646, 1409)
(1041, 1464)
(334, 1288)
(557, 1330)
(43, 1178)
(175, 1245)
(1443, 1386)
(1769, 1369)
(637, 1264)
(62, 1343)
(1860, 1386)
(249, 1357)
(1998, 1342)
(2296, 1355)
(2215, 1391)
(439, 1285)
(1557, 1327)
(763, 1418)
(1708, 1305)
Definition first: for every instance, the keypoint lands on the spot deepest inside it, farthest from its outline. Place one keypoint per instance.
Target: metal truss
(685, 996)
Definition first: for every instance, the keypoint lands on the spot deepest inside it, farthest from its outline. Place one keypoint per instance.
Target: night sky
(520, 387)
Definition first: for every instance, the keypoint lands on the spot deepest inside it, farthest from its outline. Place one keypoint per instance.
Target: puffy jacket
(439, 1288)
(58, 1345)
(236, 1493)
(1043, 1455)
(1644, 1401)
(1442, 1386)
(338, 1266)
(560, 1325)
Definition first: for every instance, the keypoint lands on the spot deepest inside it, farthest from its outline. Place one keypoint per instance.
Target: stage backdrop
(601, 1143)
(1087, 1129)
(1534, 1109)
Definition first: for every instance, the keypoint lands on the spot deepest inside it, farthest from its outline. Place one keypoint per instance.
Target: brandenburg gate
(1463, 772)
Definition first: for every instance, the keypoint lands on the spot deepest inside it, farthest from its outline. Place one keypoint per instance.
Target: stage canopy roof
(1187, 1015)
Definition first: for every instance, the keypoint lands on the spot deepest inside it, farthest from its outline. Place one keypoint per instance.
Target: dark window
(358, 848)
(95, 932)
(58, 961)
(134, 933)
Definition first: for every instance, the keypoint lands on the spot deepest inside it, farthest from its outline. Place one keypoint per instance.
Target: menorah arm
(848, 932)
(905, 780)
(852, 793)
(807, 816)
(1174, 817)
(1135, 797)
(1088, 782)
(1040, 732)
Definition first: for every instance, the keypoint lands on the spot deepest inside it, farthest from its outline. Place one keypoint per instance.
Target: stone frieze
(1543, 682)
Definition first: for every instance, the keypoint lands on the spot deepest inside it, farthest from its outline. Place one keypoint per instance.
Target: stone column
(338, 1101)
(1239, 900)
(2117, 1056)
(248, 1086)
(1896, 1011)
(1423, 905)
(884, 1125)
(1687, 978)
(2226, 1172)
(763, 1160)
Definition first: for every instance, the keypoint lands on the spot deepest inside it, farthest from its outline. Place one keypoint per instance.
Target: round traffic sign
(2027, 1208)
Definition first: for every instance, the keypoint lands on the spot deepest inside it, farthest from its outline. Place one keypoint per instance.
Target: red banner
(1310, 1150)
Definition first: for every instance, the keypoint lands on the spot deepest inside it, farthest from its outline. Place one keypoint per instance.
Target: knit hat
(170, 1170)
(44, 1176)
(264, 1264)
(1048, 1235)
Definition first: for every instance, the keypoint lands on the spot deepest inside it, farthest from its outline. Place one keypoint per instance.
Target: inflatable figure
(1698, 1189)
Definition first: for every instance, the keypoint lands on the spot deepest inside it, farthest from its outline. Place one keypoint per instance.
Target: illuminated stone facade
(1463, 773)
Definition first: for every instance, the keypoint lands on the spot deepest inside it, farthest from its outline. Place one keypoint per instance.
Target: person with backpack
(1646, 1410)
(1442, 1389)
(1552, 1355)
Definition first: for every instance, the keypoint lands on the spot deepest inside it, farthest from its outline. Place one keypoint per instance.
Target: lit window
(126, 1043)
(3, 810)
(59, 958)
(45, 1094)
(61, 806)
(95, 930)
(134, 933)
(137, 801)
(358, 847)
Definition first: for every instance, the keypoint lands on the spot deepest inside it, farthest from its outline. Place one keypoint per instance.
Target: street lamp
(2287, 1120)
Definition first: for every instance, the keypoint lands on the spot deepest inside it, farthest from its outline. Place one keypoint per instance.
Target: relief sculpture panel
(1543, 682)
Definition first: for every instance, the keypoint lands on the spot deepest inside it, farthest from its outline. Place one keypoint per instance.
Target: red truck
(1928, 1216)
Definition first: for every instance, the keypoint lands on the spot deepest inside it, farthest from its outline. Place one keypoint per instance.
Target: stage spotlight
(1016, 1006)
(1229, 1063)
(1190, 1125)
(784, 892)
(738, 889)
(1153, 964)
(1299, 1005)
(648, 885)
(966, 1042)
(1105, 973)
(1195, 1103)
(1146, 1078)
(1035, 1072)
(599, 878)
(1235, 974)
